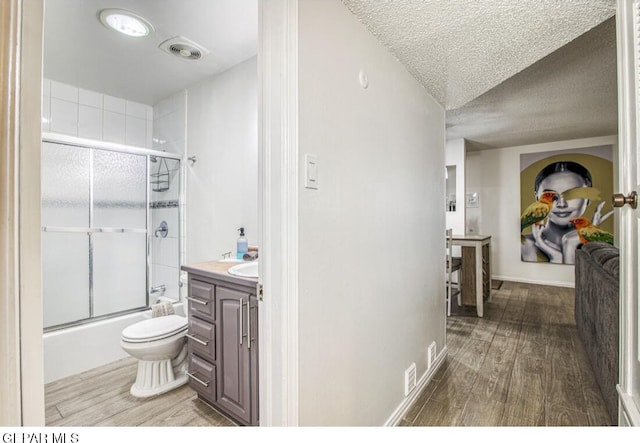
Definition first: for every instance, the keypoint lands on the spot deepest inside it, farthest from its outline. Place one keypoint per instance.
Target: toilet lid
(155, 328)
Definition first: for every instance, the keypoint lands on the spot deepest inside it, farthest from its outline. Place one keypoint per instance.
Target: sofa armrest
(597, 315)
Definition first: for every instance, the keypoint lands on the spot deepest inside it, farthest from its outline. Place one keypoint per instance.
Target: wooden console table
(476, 269)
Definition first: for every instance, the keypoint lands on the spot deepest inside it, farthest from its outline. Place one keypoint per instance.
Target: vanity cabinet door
(233, 352)
(253, 359)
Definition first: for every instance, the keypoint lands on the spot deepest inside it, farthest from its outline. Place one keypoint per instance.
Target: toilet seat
(154, 329)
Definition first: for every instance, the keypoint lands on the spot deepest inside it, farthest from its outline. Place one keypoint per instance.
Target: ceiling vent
(183, 48)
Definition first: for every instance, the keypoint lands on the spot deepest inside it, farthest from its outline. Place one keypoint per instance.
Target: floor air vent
(410, 379)
(431, 355)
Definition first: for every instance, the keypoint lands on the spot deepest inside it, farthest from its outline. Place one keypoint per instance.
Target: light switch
(311, 171)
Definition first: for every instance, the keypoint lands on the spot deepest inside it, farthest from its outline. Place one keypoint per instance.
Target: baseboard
(533, 282)
(629, 414)
(402, 409)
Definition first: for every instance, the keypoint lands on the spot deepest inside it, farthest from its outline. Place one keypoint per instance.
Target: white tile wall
(169, 125)
(169, 134)
(135, 131)
(149, 132)
(115, 104)
(90, 114)
(64, 116)
(46, 87)
(136, 109)
(64, 92)
(46, 105)
(174, 103)
(165, 251)
(169, 215)
(46, 113)
(114, 127)
(90, 122)
(167, 275)
(91, 98)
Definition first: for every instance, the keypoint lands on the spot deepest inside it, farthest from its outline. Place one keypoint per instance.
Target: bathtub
(80, 348)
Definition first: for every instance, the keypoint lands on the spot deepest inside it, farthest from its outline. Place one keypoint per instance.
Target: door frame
(278, 216)
(629, 413)
(278, 211)
(23, 382)
(20, 256)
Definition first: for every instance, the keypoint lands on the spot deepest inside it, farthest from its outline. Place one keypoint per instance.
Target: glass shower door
(94, 216)
(65, 216)
(120, 243)
(165, 246)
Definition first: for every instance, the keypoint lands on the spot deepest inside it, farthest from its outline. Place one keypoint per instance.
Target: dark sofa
(597, 315)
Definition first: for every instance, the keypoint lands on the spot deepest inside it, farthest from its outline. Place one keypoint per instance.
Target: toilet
(158, 344)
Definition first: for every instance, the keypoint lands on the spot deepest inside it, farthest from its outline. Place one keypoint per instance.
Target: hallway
(523, 364)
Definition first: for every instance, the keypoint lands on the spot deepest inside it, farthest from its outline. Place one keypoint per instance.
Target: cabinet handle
(192, 376)
(197, 300)
(241, 321)
(249, 324)
(197, 340)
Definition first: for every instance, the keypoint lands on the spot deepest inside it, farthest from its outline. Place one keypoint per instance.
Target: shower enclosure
(98, 244)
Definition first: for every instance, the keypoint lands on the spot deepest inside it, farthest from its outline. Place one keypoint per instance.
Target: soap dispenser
(243, 245)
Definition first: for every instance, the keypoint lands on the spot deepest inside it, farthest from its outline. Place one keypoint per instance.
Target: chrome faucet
(163, 230)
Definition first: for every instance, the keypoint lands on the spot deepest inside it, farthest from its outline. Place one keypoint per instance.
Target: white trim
(278, 211)
(21, 384)
(30, 201)
(626, 182)
(628, 407)
(402, 409)
(290, 227)
(561, 284)
(10, 382)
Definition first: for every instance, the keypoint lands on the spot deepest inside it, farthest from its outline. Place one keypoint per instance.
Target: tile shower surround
(92, 115)
(88, 114)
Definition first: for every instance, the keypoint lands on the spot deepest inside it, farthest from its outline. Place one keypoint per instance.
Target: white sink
(245, 270)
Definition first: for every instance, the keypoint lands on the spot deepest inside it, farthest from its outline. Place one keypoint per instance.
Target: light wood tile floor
(522, 364)
(100, 397)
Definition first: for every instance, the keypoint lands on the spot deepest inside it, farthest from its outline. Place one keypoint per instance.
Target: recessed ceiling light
(125, 22)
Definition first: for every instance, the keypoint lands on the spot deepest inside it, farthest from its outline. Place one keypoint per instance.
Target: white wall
(222, 186)
(455, 156)
(371, 275)
(495, 174)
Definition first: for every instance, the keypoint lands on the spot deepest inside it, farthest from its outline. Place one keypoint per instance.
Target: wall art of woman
(569, 189)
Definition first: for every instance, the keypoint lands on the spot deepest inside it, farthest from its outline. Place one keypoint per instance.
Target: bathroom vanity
(223, 340)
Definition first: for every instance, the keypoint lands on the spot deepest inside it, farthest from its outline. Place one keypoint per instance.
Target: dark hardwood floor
(522, 364)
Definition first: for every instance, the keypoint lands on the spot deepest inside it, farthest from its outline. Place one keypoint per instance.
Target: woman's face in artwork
(564, 210)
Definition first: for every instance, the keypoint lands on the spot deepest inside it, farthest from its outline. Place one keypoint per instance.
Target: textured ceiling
(460, 49)
(572, 93)
(79, 50)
